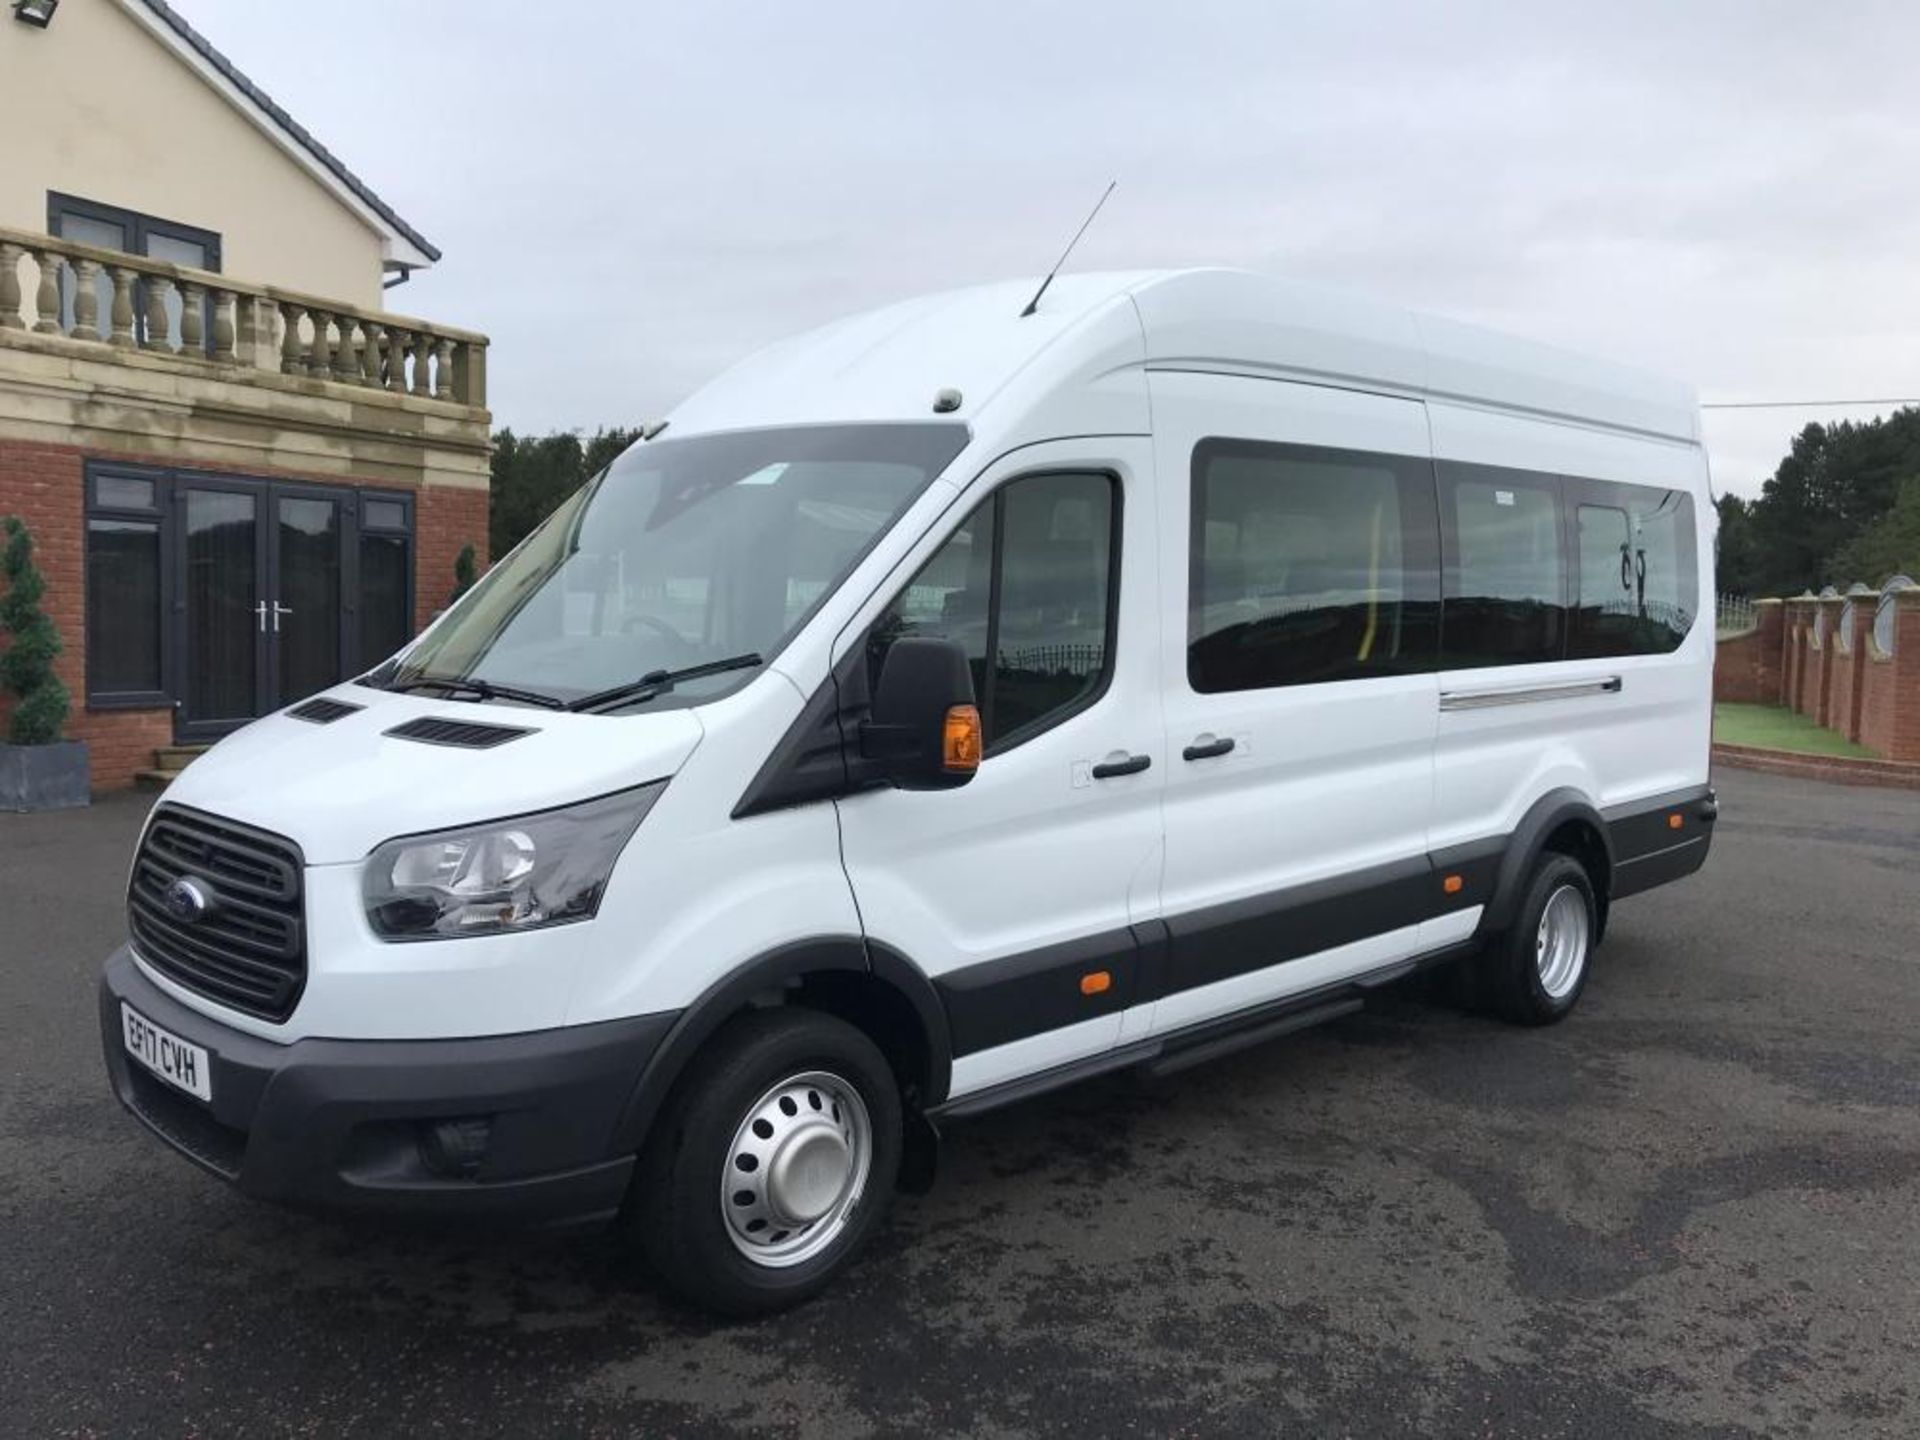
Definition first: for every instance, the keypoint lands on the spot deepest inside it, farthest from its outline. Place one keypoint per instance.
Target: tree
(1890, 546)
(1734, 565)
(463, 573)
(26, 669)
(1837, 483)
(532, 475)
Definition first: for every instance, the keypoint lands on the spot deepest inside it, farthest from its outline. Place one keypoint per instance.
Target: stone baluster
(290, 357)
(193, 314)
(223, 307)
(423, 365)
(320, 352)
(47, 299)
(443, 369)
(159, 326)
(86, 300)
(397, 342)
(346, 368)
(370, 353)
(10, 287)
(122, 308)
(466, 373)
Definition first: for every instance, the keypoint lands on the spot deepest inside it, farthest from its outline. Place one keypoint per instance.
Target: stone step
(154, 779)
(177, 757)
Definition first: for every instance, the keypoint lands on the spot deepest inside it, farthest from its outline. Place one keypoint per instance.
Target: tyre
(1534, 973)
(771, 1164)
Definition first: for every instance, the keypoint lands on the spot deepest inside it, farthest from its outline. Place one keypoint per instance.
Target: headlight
(517, 874)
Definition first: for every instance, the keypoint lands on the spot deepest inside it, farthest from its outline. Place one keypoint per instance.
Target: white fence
(1733, 614)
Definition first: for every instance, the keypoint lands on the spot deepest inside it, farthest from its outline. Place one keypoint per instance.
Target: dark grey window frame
(160, 516)
(1116, 530)
(138, 226)
(350, 576)
(168, 483)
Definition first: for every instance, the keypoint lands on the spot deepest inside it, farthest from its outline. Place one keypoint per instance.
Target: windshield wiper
(481, 689)
(656, 683)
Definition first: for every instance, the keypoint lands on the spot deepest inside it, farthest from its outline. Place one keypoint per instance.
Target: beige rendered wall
(95, 106)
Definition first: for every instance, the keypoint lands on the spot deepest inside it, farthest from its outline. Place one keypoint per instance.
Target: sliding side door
(1299, 549)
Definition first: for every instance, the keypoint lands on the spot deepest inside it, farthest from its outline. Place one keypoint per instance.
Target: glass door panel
(385, 624)
(222, 610)
(306, 601)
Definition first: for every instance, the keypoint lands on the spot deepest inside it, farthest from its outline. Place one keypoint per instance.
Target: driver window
(1027, 579)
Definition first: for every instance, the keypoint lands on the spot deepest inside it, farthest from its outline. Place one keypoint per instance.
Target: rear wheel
(1533, 974)
(771, 1164)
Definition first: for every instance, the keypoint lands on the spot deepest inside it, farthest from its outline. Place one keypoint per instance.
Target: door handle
(1132, 765)
(278, 611)
(260, 614)
(1206, 749)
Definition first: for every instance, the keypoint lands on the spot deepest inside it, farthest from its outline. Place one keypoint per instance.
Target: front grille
(248, 950)
(465, 734)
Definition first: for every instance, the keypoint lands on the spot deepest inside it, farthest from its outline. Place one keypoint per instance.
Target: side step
(1201, 1051)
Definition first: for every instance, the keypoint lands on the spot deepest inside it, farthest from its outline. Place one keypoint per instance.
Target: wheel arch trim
(777, 969)
(1542, 818)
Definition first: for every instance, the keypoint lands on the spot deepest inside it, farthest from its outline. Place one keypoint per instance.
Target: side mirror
(924, 733)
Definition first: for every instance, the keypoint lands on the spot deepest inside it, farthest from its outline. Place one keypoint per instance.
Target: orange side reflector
(1674, 822)
(1095, 982)
(960, 741)
(1453, 884)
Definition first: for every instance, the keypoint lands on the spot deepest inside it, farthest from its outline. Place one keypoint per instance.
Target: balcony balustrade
(56, 288)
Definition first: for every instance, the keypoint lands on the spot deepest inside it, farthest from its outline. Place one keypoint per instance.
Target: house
(245, 477)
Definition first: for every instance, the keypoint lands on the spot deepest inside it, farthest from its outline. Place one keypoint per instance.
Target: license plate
(166, 1054)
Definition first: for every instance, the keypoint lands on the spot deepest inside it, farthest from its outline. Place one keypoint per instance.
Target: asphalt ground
(1693, 1209)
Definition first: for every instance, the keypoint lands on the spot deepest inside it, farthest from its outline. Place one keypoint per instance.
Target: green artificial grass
(1775, 728)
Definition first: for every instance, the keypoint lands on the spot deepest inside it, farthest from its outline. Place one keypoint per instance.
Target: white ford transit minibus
(945, 706)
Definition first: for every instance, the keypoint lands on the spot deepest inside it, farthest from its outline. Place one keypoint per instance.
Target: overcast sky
(631, 195)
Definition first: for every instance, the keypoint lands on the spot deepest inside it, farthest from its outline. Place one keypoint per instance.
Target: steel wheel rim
(797, 1168)
(1560, 946)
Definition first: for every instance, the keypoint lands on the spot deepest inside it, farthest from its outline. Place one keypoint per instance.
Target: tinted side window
(1505, 577)
(1308, 565)
(1638, 574)
(1027, 579)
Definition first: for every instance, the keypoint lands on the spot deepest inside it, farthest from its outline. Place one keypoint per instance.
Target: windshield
(680, 554)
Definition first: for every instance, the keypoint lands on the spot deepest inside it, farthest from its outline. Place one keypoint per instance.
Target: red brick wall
(44, 485)
(1746, 668)
(446, 521)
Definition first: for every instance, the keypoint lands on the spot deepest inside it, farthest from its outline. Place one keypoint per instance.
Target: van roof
(887, 364)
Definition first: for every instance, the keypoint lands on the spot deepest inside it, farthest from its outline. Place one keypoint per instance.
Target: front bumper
(338, 1124)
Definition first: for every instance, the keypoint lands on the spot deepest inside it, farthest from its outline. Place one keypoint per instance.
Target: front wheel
(1534, 973)
(771, 1165)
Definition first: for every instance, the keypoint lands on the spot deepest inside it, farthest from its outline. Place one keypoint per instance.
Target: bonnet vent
(322, 711)
(461, 734)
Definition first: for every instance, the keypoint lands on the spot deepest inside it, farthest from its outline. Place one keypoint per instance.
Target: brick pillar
(1850, 665)
(1770, 651)
(1900, 725)
(1799, 637)
(1827, 618)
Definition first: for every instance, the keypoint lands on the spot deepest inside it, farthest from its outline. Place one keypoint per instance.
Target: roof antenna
(1034, 303)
